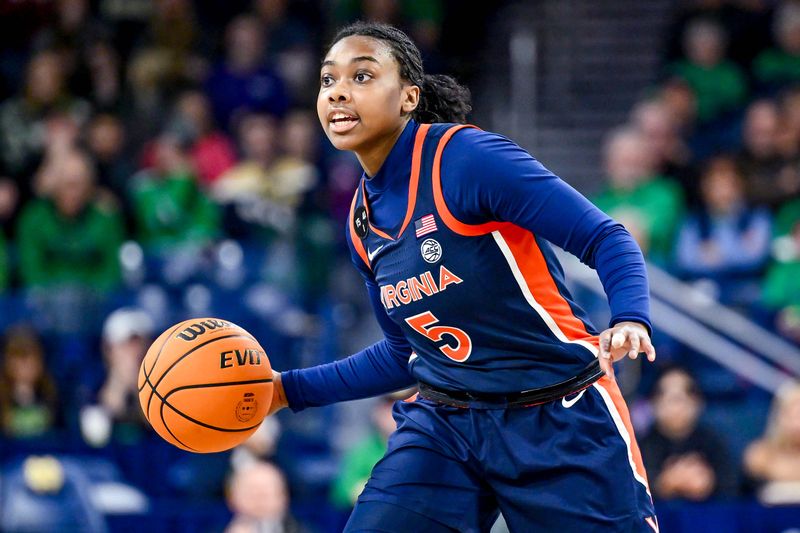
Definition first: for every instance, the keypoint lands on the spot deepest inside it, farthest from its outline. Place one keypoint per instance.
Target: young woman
(517, 411)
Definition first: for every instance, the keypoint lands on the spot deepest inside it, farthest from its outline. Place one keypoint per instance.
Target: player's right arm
(378, 369)
(488, 177)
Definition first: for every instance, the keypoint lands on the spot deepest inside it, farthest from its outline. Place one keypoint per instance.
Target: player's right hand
(278, 395)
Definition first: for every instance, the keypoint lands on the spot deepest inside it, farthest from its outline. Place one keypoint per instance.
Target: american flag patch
(425, 225)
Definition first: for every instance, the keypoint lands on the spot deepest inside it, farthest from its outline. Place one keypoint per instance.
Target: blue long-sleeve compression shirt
(485, 177)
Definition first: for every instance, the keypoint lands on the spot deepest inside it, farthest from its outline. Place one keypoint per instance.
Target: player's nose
(340, 93)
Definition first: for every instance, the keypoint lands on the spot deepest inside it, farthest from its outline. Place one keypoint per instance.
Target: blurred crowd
(706, 173)
(706, 176)
(161, 159)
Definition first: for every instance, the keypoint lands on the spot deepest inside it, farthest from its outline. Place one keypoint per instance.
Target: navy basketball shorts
(571, 465)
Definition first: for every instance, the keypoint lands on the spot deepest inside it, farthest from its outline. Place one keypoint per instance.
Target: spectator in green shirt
(660, 128)
(70, 239)
(169, 208)
(782, 283)
(778, 67)
(649, 205)
(358, 462)
(786, 218)
(719, 84)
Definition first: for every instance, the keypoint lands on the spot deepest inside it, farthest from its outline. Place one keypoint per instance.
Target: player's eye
(326, 80)
(362, 76)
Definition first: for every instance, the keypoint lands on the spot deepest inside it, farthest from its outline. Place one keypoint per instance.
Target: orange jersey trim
(357, 244)
(438, 198)
(533, 266)
(525, 250)
(413, 184)
(416, 164)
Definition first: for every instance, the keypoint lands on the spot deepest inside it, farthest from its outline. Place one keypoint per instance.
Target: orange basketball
(205, 385)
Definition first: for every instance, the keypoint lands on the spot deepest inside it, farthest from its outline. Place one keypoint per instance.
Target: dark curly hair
(442, 99)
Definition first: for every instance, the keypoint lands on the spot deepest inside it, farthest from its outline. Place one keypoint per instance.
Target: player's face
(362, 101)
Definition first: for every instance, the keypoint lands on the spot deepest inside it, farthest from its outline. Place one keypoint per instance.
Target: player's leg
(424, 482)
(645, 520)
(386, 517)
(575, 466)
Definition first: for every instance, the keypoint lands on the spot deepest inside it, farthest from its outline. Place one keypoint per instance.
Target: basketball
(205, 385)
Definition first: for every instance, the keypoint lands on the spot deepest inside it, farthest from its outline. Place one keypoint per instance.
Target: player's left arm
(488, 177)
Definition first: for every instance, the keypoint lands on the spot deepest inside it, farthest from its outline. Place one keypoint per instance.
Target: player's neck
(373, 156)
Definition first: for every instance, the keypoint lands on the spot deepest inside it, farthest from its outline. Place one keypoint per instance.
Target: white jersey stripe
(526, 292)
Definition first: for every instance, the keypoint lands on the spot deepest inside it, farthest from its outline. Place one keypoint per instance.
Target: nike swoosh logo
(371, 255)
(569, 403)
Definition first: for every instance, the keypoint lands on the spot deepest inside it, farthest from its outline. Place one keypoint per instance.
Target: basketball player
(517, 410)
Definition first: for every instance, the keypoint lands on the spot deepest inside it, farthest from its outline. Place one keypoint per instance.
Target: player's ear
(410, 98)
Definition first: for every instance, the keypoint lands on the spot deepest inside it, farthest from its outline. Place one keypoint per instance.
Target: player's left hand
(625, 338)
(279, 400)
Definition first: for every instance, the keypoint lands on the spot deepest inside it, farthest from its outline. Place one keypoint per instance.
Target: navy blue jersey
(459, 271)
(483, 306)
(451, 237)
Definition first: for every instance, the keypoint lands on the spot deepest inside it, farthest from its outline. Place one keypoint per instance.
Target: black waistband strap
(525, 398)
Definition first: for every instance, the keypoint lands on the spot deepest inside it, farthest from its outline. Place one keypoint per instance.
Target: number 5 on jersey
(425, 325)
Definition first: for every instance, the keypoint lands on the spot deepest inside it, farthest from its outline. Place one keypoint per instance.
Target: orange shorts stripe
(609, 385)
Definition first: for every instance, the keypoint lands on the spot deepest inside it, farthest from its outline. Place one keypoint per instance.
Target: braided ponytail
(442, 98)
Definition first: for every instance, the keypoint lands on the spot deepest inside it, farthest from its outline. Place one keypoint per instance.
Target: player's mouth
(342, 121)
